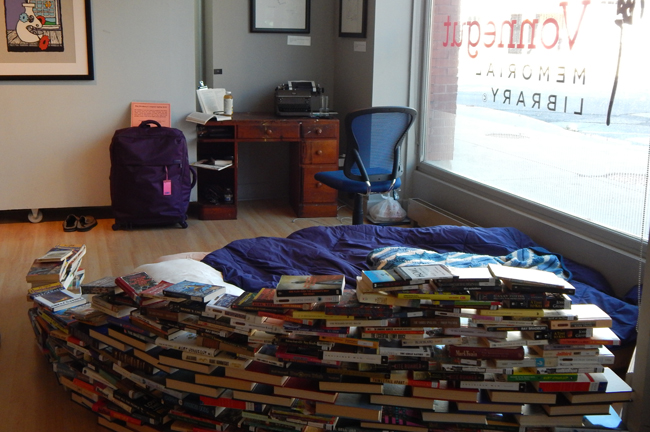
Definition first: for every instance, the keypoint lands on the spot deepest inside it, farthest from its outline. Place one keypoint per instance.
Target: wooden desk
(314, 148)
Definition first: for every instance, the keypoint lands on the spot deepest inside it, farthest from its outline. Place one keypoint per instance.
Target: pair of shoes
(79, 223)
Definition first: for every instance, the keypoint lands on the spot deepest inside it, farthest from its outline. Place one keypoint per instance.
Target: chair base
(357, 210)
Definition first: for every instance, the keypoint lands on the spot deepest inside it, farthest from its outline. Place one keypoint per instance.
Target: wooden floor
(31, 400)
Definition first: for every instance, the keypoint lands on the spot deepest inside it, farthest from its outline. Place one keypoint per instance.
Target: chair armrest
(359, 162)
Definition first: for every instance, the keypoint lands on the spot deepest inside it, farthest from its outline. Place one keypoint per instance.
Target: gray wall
(354, 79)
(253, 65)
(54, 135)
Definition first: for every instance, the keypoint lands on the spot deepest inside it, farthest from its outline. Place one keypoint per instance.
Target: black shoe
(86, 223)
(70, 223)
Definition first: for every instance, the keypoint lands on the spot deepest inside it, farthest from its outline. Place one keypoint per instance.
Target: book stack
(55, 278)
(61, 264)
(441, 351)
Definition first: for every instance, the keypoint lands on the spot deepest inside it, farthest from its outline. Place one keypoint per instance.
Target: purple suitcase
(151, 178)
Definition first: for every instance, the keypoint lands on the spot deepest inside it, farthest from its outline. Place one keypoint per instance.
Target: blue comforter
(259, 262)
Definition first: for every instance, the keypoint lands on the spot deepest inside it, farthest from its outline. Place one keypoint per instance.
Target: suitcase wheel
(183, 224)
(116, 227)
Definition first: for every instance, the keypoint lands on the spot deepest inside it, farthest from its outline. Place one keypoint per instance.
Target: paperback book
(581, 316)
(469, 277)
(195, 291)
(264, 299)
(43, 289)
(60, 300)
(60, 253)
(351, 306)
(310, 285)
(105, 285)
(45, 272)
(595, 382)
(530, 280)
(422, 274)
(134, 283)
(302, 299)
(384, 279)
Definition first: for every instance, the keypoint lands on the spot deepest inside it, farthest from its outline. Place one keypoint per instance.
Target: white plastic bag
(388, 210)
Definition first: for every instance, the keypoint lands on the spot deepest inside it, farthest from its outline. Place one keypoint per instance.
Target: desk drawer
(314, 191)
(268, 130)
(320, 152)
(319, 129)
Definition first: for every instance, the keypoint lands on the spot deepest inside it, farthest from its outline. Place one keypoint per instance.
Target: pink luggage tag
(167, 184)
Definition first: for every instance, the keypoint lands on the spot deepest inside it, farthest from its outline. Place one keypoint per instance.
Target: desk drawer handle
(268, 131)
(319, 152)
(318, 131)
(319, 184)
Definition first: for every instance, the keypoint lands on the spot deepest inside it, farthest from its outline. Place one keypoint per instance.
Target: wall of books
(422, 348)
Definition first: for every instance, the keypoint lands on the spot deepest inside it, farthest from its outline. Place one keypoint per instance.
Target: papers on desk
(203, 118)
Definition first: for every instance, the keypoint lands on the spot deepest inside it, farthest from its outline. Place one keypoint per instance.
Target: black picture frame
(72, 21)
(353, 18)
(272, 16)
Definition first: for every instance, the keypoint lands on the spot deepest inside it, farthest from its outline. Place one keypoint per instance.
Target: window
(544, 100)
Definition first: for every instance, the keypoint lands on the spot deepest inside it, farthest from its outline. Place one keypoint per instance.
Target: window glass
(547, 100)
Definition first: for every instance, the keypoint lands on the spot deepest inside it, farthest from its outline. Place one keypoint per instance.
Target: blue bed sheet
(259, 262)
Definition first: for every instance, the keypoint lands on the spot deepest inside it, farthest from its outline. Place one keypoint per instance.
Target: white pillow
(178, 270)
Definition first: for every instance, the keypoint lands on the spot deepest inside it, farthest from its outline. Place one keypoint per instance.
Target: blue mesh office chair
(373, 162)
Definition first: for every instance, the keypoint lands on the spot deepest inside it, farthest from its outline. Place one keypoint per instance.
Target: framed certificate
(353, 15)
(279, 16)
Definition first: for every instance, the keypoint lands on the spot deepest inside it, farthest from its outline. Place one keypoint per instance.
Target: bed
(252, 264)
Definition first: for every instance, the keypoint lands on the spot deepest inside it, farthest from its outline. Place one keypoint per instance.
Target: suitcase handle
(148, 123)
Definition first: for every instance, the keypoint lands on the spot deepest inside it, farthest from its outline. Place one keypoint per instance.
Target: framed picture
(45, 40)
(275, 16)
(353, 15)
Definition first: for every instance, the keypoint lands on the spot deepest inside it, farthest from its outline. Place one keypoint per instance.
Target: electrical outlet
(218, 71)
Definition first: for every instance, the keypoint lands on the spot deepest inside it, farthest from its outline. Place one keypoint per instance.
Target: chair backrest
(374, 140)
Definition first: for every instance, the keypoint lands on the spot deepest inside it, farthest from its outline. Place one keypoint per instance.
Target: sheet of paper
(160, 112)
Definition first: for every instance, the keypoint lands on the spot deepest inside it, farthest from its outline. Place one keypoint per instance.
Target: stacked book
(61, 264)
(412, 349)
(55, 278)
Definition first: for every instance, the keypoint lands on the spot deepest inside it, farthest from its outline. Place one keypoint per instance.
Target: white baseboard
(424, 214)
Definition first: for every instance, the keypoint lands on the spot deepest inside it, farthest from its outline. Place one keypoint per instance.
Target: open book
(203, 118)
(211, 100)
